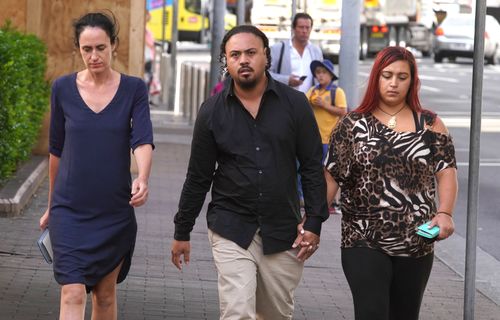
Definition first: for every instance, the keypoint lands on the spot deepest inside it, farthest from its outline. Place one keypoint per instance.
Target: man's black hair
(301, 15)
(244, 29)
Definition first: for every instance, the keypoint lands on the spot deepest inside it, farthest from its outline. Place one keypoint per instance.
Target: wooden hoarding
(52, 21)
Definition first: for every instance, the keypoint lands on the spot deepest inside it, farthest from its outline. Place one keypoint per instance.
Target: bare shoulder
(439, 126)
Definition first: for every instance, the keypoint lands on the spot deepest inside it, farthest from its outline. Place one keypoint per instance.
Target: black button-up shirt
(252, 163)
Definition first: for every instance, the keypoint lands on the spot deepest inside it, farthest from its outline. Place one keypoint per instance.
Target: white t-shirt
(301, 66)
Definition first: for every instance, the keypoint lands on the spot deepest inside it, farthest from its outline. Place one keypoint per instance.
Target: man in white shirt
(291, 59)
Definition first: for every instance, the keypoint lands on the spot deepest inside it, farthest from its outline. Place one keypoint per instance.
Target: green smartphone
(424, 231)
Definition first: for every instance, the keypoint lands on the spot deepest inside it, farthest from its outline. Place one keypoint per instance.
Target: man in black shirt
(245, 144)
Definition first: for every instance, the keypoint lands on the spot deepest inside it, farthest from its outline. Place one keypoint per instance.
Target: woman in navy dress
(97, 116)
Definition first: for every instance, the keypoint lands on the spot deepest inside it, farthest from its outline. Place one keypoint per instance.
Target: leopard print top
(387, 182)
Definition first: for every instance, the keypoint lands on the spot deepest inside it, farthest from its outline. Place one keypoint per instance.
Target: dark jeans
(385, 287)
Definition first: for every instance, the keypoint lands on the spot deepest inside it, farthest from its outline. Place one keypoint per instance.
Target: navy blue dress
(92, 225)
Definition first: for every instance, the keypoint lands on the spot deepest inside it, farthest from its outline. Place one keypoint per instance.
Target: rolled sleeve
(141, 126)
(57, 123)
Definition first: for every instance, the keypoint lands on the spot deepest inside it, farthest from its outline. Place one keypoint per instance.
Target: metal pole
(173, 55)
(163, 22)
(475, 142)
(204, 15)
(294, 8)
(218, 8)
(241, 12)
(349, 51)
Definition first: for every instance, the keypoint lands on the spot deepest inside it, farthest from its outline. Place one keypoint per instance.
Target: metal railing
(194, 89)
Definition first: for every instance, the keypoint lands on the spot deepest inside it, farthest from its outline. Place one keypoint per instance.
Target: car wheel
(426, 53)
(438, 58)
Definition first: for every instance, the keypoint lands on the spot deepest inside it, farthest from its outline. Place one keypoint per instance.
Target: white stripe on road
(487, 125)
(466, 114)
(431, 89)
(441, 79)
(162, 112)
(481, 164)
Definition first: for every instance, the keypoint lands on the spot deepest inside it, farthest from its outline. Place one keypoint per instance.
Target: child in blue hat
(327, 100)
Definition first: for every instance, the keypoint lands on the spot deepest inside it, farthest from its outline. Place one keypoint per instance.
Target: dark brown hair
(104, 21)
(301, 15)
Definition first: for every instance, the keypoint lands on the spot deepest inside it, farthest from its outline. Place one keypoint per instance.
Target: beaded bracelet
(444, 212)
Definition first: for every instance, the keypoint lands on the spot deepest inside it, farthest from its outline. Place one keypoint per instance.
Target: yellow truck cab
(192, 19)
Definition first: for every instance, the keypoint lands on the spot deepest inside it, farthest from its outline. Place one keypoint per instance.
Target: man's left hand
(307, 241)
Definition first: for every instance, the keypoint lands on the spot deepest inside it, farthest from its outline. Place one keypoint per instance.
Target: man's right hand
(180, 248)
(294, 81)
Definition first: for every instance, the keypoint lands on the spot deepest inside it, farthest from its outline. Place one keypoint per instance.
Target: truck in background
(326, 27)
(383, 23)
(193, 21)
(396, 22)
(273, 17)
(232, 7)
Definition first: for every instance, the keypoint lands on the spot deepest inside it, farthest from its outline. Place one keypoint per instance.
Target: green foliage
(24, 96)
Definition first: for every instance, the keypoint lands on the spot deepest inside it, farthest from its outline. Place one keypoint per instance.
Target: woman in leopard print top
(386, 157)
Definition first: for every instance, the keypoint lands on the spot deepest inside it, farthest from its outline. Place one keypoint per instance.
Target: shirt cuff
(313, 224)
(181, 236)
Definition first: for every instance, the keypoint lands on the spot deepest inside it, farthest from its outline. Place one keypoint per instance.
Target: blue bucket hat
(327, 64)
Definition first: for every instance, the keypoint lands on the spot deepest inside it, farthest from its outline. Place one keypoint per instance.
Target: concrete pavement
(154, 289)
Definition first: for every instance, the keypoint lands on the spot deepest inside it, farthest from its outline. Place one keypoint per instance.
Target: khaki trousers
(253, 285)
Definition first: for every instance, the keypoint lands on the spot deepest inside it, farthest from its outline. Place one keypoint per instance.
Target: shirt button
(257, 148)
(260, 194)
(260, 171)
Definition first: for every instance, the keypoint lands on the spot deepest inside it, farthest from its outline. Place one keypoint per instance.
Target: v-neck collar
(77, 92)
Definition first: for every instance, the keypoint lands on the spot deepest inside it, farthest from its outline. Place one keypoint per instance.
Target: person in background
(329, 104)
(149, 60)
(220, 85)
(291, 59)
(389, 157)
(97, 116)
(245, 144)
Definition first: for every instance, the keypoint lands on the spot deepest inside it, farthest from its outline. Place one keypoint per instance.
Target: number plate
(459, 46)
(377, 35)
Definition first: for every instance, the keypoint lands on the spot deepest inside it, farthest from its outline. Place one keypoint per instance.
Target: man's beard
(246, 83)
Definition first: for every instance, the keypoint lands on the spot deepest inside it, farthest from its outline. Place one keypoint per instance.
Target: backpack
(333, 92)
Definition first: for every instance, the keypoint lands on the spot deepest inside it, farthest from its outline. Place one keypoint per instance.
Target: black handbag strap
(280, 60)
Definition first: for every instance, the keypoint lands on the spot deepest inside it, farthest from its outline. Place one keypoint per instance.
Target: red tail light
(382, 29)
(439, 32)
(486, 35)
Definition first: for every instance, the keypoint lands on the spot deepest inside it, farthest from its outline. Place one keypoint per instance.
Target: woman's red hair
(384, 58)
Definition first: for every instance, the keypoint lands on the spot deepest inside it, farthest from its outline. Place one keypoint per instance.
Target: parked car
(455, 38)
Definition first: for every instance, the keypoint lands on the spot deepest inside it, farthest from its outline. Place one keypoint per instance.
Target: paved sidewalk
(154, 289)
